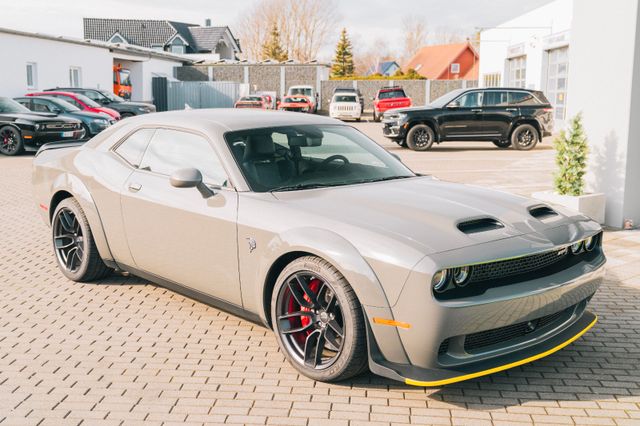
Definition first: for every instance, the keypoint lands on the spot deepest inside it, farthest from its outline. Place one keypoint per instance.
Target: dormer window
(117, 38)
(178, 45)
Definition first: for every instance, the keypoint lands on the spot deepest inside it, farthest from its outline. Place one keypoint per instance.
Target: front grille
(60, 126)
(486, 338)
(518, 266)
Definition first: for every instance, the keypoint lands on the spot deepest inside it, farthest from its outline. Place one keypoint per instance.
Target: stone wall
(279, 77)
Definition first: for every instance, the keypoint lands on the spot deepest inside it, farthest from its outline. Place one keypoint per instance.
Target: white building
(531, 51)
(37, 62)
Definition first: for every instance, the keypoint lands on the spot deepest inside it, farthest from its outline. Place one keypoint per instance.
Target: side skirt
(193, 294)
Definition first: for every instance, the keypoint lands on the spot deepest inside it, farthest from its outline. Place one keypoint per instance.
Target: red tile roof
(433, 62)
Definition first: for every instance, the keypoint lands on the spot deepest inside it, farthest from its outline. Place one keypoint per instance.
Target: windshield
(344, 98)
(9, 106)
(446, 98)
(388, 94)
(310, 156)
(295, 100)
(124, 78)
(112, 97)
(63, 105)
(86, 100)
(251, 99)
(301, 91)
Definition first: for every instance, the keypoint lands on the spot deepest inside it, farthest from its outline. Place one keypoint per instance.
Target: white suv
(345, 106)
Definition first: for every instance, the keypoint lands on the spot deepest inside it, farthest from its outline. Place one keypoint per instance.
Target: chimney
(207, 22)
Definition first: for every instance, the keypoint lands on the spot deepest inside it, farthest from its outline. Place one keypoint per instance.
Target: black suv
(504, 116)
(104, 97)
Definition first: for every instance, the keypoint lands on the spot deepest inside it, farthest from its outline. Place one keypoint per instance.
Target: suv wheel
(318, 321)
(525, 137)
(502, 144)
(420, 137)
(376, 117)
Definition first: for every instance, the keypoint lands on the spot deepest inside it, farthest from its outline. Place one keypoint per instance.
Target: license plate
(67, 134)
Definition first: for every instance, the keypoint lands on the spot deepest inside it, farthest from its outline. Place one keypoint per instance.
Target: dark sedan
(22, 129)
(92, 123)
(108, 99)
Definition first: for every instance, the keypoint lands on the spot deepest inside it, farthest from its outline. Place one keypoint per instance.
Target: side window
(24, 103)
(94, 96)
(134, 146)
(41, 106)
(71, 101)
(172, 150)
(471, 100)
(495, 98)
(522, 98)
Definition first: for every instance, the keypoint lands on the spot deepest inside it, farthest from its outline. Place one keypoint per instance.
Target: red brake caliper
(314, 286)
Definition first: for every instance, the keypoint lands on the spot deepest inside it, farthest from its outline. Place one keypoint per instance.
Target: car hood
(421, 212)
(87, 115)
(415, 108)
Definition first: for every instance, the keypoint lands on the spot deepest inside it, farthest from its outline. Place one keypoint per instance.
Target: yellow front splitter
(501, 367)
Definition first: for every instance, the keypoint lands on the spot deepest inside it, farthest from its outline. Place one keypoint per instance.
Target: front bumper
(394, 130)
(430, 377)
(35, 139)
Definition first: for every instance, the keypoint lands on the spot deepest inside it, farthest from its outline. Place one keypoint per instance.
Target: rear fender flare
(74, 186)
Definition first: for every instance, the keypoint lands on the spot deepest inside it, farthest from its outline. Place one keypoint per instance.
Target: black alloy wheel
(524, 137)
(68, 239)
(10, 141)
(420, 138)
(310, 320)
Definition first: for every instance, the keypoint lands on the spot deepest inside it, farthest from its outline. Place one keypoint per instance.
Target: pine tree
(571, 158)
(343, 60)
(272, 47)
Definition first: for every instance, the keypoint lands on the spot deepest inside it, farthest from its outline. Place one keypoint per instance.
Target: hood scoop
(542, 212)
(482, 224)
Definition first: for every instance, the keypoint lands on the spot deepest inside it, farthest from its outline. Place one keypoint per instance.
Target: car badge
(252, 244)
(563, 251)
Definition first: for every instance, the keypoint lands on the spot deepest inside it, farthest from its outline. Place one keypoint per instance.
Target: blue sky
(366, 20)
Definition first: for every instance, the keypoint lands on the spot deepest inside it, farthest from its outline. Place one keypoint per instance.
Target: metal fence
(177, 95)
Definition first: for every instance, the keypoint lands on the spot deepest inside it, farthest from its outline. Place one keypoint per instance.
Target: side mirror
(105, 101)
(453, 105)
(56, 110)
(190, 178)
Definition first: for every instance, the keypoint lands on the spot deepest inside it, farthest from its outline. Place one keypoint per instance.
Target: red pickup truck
(389, 98)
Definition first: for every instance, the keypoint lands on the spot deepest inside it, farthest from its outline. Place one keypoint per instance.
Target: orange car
(252, 101)
(296, 103)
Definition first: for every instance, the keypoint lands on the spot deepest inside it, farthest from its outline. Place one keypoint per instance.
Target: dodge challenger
(305, 225)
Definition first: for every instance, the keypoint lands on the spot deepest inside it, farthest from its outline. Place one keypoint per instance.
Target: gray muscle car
(304, 224)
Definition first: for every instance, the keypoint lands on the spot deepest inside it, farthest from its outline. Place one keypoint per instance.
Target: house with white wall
(40, 62)
(531, 51)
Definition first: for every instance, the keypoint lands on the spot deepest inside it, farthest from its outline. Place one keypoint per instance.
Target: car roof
(55, 92)
(229, 119)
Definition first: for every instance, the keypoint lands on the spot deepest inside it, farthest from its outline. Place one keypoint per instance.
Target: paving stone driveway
(122, 351)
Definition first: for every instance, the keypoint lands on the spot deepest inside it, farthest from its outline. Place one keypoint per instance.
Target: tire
(420, 137)
(301, 326)
(70, 230)
(502, 144)
(124, 115)
(524, 137)
(376, 117)
(87, 132)
(11, 142)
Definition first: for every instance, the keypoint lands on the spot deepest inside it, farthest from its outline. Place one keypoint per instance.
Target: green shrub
(571, 158)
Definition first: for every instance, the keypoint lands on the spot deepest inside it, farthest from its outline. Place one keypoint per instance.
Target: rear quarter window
(132, 149)
(522, 99)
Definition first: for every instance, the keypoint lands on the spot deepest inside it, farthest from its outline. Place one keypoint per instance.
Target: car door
(497, 114)
(462, 119)
(175, 233)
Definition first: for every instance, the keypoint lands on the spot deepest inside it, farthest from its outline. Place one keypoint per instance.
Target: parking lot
(123, 351)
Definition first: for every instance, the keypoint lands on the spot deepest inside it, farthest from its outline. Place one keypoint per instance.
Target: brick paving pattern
(123, 351)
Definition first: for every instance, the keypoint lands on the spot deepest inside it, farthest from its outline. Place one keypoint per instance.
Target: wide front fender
(71, 184)
(269, 253)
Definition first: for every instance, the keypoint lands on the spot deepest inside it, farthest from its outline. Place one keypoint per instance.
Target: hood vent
(479, 225)
(542, 212)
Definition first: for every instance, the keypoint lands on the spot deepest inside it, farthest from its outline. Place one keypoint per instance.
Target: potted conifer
(572, 152)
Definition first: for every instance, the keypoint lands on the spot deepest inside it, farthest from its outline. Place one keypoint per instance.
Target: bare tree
(304, 26)
(415, 36)
(368, 56)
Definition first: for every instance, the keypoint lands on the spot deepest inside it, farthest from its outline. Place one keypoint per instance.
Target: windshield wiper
(300, 186)
(382, 179)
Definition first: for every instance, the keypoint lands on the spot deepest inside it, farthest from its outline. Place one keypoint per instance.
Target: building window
(455, 68)
(75, 77)
(177, 46)
(557, 79)
(517, 71)
(491, 80)
(32, 75)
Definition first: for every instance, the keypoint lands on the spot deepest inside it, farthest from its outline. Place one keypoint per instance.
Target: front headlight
(37, 126)
(576, 247)
(100, 121)
(440, 280)
(461, 276)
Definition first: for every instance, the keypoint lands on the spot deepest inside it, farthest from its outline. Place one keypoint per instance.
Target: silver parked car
(304, 224)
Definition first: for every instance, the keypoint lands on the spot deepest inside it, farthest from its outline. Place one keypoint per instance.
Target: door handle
(511, 109)
(476, 110)
(135, 187)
